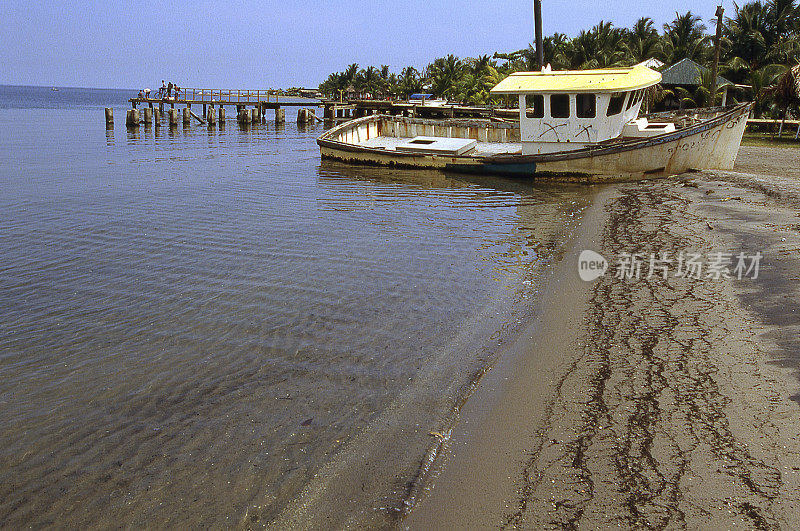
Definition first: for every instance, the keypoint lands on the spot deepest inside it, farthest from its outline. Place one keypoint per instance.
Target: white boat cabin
(568, 110)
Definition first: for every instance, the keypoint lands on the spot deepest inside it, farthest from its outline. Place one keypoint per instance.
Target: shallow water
(193, 321)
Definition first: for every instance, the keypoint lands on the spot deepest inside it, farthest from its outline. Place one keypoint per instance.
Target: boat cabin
(568, 110)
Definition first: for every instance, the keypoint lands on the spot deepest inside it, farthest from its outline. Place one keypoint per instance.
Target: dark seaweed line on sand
(642, 377)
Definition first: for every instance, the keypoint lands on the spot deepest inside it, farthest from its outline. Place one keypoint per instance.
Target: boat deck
(390, 143)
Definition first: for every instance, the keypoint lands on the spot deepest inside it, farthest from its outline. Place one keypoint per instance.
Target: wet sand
(647, 403)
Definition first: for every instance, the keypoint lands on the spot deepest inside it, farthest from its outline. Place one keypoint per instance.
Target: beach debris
(307, 422)
(709, 226)
(441, 435)
(691, 184)
(737, 198)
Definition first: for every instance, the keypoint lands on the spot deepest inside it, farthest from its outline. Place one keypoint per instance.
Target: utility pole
(714, 67)
(537, 16)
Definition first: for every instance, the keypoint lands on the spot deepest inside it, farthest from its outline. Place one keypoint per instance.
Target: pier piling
(187, 116)
(280, 116)
(211, 116)
(109, 117)
(148, 116)
(221, 114)
(173, 117)
(132, 118)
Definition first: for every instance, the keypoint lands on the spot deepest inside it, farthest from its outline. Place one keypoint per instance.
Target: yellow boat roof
(604, 80)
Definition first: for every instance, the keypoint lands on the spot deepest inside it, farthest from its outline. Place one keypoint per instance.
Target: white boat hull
(710, 144)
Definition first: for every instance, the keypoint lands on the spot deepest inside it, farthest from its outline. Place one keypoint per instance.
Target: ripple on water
(194, 321)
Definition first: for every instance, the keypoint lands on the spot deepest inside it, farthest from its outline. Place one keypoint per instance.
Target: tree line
(760, 44)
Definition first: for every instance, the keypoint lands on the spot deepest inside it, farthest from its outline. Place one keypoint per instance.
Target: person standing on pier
(169, 89)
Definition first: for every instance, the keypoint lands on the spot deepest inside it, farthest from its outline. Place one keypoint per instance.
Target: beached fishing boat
(573, 125)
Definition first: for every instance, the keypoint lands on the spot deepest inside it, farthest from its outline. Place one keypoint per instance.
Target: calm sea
(195, 322)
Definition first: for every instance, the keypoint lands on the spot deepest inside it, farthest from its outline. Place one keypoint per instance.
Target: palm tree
(760, 80)
(383, 82)
(602, 46)
(642, 41)
(331, 86)
(783, 19)
(409, 81)
(684, 38)
(479, 76)
(443, 74)
(746, 33)
(368, 81)
(350, 73)
(787, 92)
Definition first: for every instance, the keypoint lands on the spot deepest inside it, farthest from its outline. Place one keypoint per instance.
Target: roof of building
(652, 63)
(604, 80)
(687, 72)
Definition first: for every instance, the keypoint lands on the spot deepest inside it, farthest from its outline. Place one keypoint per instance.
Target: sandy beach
(647, 402)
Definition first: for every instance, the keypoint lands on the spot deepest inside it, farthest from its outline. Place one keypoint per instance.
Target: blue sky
(265, 44)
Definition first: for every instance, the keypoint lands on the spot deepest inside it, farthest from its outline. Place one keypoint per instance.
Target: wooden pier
(252, 104)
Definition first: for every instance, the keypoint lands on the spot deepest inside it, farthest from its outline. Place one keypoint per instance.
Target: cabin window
(615, 103)
(632, 100)
(586, 105)
(559, 106)
(534, 106)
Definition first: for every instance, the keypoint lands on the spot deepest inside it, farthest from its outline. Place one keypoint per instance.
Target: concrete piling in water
(187, 116)
(245, 116)
(280, 116)
(222, 115)
(211, 116)
(109, 117)
(256, 115)
(173, 117)
(148, 116)
(305, 116)
(132, 118)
